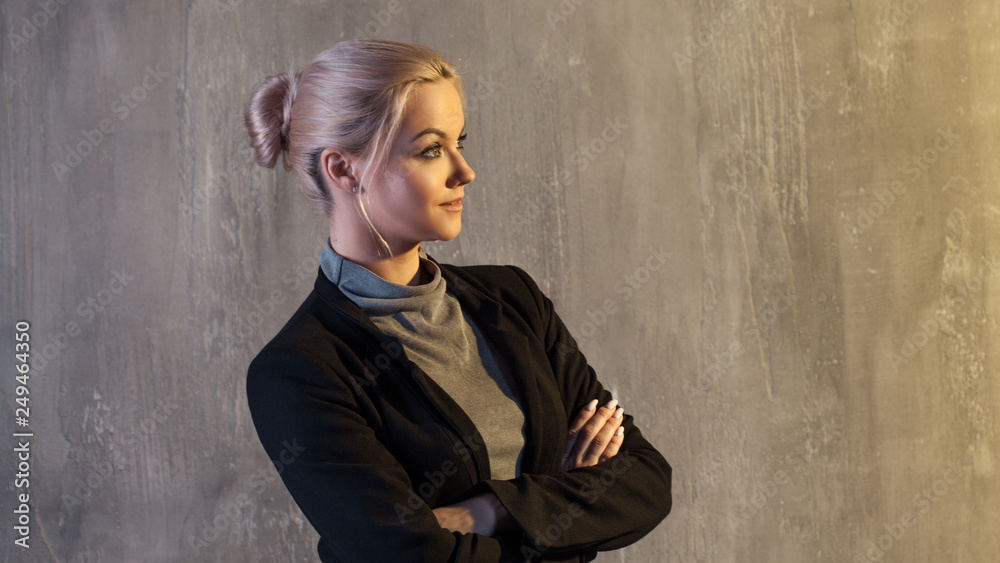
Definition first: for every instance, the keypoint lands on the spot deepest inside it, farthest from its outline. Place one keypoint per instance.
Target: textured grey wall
(815, 357)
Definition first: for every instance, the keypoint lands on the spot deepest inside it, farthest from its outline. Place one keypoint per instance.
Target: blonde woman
(423, 411)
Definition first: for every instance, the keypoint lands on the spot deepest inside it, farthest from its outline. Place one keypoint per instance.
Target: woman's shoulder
(310, 337)
(509, 285)
(492, 278)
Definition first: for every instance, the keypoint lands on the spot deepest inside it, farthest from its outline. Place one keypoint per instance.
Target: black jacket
(367, 444)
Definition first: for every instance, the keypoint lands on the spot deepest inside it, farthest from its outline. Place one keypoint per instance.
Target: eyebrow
(435, 131)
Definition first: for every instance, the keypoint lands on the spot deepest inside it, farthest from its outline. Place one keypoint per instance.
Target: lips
(456, 200)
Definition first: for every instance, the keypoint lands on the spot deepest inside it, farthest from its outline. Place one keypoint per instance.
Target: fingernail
(620, 431)
(611, 404)
(591, 405)
(618, 413)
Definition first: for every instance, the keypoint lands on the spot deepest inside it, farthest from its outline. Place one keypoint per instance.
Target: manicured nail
(591, 405)
(611, 404)
(618, 413)
(620, 431)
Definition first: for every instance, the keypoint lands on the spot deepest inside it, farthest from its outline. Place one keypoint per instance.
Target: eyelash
(436, 146)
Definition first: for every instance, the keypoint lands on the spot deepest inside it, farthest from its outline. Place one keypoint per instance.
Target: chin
(448, 234)
(451, 235)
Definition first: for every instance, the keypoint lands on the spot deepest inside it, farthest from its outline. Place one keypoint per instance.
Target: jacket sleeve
(598, 508)
(348, 485)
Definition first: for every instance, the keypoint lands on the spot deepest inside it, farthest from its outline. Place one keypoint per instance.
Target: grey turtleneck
(438, 337)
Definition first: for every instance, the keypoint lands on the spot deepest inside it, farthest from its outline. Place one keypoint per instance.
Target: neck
(402, 268)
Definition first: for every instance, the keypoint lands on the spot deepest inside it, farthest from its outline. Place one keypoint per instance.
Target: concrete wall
(815, 357)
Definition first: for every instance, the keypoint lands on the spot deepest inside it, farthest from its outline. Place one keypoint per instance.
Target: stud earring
(355, 189)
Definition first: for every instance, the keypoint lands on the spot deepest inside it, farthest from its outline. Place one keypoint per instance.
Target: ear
(337, 169)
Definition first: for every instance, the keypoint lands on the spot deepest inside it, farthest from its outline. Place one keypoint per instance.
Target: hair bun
(268, 117)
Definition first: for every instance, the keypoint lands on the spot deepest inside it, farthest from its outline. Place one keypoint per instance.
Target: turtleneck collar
(374, 294)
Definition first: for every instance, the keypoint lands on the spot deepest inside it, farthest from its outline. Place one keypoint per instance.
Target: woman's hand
(594, 436)
(481, 514)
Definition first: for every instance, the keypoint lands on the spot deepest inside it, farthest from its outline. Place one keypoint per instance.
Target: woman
(419, 411)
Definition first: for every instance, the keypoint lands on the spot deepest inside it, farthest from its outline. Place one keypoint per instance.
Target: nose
(463, 174)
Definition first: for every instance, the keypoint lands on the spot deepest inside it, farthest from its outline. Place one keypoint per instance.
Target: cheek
(414, 190)
(422, 192)
(406, 202)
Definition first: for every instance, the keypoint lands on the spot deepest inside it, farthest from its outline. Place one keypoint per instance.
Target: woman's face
(425, 170)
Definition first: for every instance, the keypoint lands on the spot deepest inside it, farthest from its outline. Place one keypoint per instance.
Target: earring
(355, 189)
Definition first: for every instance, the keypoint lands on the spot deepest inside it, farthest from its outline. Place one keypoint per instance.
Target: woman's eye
(435, 151)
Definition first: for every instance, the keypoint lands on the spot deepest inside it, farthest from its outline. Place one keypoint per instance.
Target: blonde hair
(350, 97)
